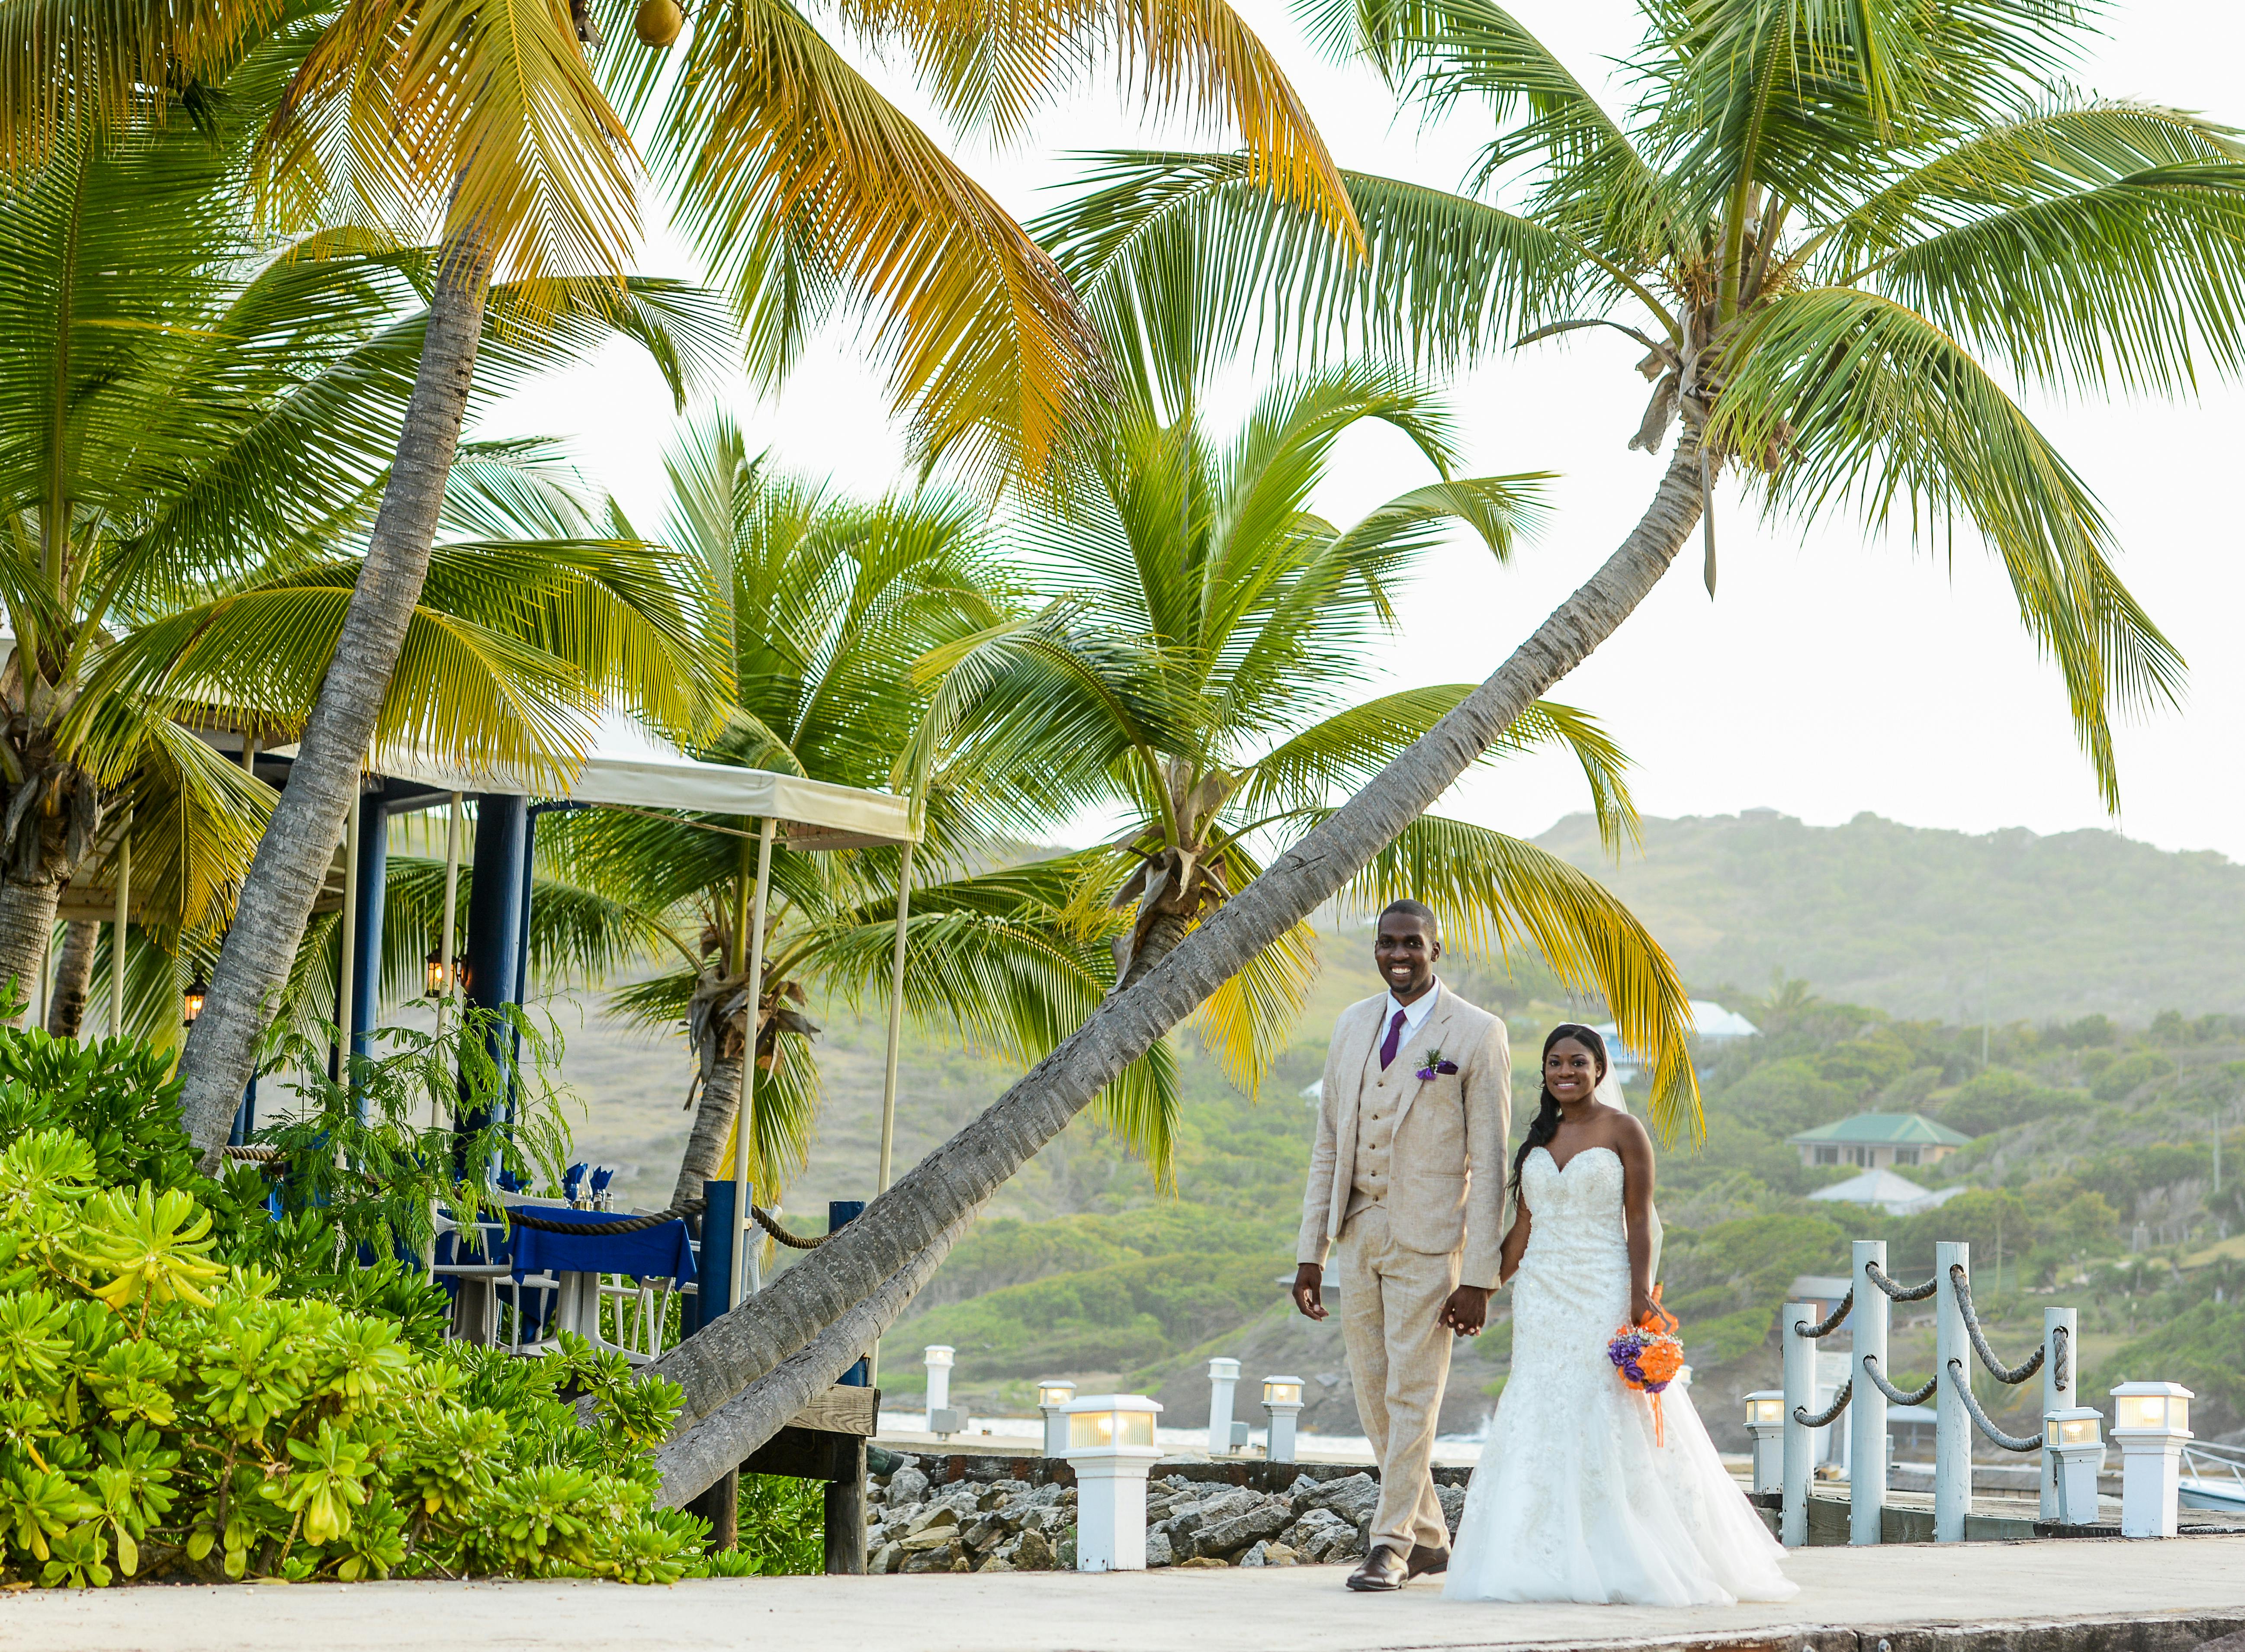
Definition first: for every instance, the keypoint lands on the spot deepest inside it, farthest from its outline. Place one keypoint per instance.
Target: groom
(1408, 1175)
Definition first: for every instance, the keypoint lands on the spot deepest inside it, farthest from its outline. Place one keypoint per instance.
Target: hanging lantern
(434, 963)
(191, 1002)
(657, 23)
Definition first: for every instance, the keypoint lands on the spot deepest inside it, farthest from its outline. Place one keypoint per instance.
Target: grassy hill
(1936, 923)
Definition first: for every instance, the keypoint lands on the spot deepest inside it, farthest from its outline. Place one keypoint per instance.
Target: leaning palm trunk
(27, 927)
(704, 1158)
(910, 1218)
(293, 856)
(73, 974)
(698, 1457)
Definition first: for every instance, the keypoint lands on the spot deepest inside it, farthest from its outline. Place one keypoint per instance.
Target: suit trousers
(1399, 1358)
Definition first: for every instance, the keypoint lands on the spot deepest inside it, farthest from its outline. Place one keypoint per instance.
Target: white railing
(1958, 1341)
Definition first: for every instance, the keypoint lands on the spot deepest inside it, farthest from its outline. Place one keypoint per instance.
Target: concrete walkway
(2071, 1596)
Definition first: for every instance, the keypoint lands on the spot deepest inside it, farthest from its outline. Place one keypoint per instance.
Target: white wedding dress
(1573, 1499)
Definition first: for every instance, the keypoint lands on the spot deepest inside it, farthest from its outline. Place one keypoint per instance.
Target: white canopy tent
(624, 770)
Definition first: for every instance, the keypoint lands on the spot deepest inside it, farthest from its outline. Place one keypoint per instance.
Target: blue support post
(840, 1213)
(495, 913)
(365, 1007)
(245, 1116)
(713, 1272)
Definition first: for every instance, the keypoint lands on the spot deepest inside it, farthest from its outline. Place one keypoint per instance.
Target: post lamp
(942, 1421)
(1282, 1403)
(1110, 1446)
(1053, 1396)
(2073, 1438)
(1765, 1423)
(191, 1002)
(1223, 1382)
(439, 977)
(2150, 1423)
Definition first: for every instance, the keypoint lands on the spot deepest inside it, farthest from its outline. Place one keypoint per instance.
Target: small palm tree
(829, 604)
(1196, 666)
(195, 424)
(1816, 224)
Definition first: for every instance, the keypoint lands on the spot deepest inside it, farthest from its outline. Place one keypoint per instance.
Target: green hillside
(1936, 923)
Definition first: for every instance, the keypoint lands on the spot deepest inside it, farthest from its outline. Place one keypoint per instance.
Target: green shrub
(163, 1413)
(1999, 1098)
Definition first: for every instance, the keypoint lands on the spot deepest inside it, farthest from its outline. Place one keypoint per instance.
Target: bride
(1576, 1496)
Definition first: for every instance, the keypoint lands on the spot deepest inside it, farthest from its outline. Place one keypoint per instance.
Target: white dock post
(2060, 1353)
(1952, 1432)
(1799, 1439)
(1866, 1410)
(1223, 1382)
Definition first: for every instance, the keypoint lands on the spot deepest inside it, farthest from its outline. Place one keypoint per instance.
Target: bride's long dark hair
(1545, 1124)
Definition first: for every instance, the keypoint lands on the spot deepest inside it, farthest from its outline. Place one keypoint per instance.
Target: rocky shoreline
(1012, 1524)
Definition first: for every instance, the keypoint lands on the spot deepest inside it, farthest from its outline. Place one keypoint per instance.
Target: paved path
(1286, 1609)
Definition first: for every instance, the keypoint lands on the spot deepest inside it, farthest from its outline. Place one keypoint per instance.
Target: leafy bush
(164, 1413)
(1999, 1098)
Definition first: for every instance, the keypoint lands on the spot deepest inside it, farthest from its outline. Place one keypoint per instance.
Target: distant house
(1878, 1141)
(1711, 1024)
(1896, 1196)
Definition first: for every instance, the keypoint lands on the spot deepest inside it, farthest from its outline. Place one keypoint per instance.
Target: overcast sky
(1834, 673)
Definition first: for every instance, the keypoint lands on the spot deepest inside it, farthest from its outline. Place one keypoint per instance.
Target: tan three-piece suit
(1407, 1175)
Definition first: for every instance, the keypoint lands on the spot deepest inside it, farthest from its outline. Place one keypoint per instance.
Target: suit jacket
(1445, 1177)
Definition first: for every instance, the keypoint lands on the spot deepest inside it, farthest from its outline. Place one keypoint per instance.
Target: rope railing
(2060, 1360)
(764, 1220)
(1879, 1380)
(2010, 1375)
(2008, 1442)
(1827, 1326)
(1839, 1405)
(1877, 1275)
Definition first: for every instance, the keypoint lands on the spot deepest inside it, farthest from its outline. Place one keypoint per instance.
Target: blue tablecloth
(662, 1251)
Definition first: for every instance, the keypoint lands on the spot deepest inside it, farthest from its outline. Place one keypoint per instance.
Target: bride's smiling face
(1570, 1073)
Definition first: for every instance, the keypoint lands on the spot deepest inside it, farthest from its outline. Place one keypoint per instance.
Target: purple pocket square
(1440, 1066)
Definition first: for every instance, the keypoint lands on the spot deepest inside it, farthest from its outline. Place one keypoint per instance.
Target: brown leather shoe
(1382, 1570)
(1426, 1561)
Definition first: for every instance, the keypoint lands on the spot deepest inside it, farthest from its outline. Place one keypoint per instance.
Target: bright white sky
(1834, 675)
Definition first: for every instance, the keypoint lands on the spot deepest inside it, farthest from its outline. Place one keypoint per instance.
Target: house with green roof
(1878, 1141)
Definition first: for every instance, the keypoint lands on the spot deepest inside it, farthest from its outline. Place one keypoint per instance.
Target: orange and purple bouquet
(1648, 1354)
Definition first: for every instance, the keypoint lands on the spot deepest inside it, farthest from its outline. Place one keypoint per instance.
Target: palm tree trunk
(1163, 936)
(66, 1014)
(27, 930)
(293, 855)
(704, 1158)
(907, 1219)
(700, 1457)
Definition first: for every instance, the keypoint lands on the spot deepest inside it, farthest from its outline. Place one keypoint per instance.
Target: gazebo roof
(624, 769)
(1883, 1130)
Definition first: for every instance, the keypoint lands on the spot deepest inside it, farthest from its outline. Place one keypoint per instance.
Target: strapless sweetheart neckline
(1579, 1154)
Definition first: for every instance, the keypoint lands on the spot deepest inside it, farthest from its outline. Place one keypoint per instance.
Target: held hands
(1643, 1308)
(1467, 1311)
(1309, 1290)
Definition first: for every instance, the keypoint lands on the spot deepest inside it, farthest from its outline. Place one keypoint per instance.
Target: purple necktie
(1395, 1037)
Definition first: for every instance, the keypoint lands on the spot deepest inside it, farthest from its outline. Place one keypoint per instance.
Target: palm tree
(830, 603)
(797, 179)
(1818, 214)
(1196, 666)
(194, 423)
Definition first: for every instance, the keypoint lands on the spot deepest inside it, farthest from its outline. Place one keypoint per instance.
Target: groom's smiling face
(1405, 951)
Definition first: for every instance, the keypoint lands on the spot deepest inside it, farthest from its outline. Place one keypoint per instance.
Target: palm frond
(1869, 402)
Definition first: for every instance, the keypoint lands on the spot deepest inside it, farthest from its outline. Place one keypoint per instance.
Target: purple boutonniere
(1432, 1062)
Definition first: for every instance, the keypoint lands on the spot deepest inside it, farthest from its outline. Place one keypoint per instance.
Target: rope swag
(1877, 1275)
